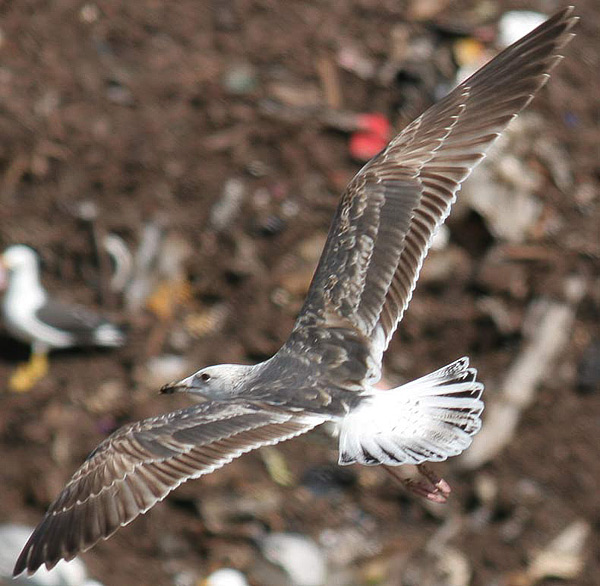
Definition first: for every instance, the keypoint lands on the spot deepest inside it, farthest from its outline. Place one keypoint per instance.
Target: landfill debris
(277, 466)
(89, 13)
(351, 58)
(225, 577)
(454, 567)
(588, 370)
(12, 539)
(207, 321)
(220, 511)
(159, 370)
(160, 282)
(240, 78)
(547, 329)
(300, 557)
(505, 175)
(225, 210)
(328, 480)
(106, 398)
(563, 557)
(330, 82)
(295, 95)
(515, 24)
(122, 259)
(345, 545)
(373, 136)
(143, 280)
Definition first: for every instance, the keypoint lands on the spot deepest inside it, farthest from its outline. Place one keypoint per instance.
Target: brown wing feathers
(141, 463)
(365, 278)
(418, 176)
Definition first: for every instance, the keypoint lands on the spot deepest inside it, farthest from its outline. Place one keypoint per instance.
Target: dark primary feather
(140, 464)
(386, 218)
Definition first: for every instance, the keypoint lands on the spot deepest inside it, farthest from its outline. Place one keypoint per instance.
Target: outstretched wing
(140, 464)
(387, 216)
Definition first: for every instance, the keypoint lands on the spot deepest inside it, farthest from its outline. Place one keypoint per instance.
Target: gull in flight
(33, 317)
(328, 368)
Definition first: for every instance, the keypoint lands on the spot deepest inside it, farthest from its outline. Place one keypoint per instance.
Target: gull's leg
(429, 485)
(26, 375)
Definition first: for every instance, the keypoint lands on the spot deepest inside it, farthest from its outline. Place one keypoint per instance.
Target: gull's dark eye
(205, 377)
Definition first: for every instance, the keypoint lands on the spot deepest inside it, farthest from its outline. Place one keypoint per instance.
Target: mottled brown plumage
(364, 281)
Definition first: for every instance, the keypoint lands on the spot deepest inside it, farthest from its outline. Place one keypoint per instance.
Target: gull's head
(219, 382)
(20, 258)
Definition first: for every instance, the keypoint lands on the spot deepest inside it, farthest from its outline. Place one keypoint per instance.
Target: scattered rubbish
(441, 265)
(563, 557)
(505, 175)
(515, 24)
(272, 225)
(505, 321)
(454, 567)
(106, 398)
(546, 330)
(330, 82)
(143, 280)
(220, 511)
(588, 370)
(295, 95)
(426, 9)
(89, 13)
(122, 259)
(225, 577)
(119, 93)
(328, 480)
(225, 210)
(159, 280)
(373, 136)
(299, 556)
(160, 370)
(352, 59)
(345, 545)
(207, 321)
(240, 78)
(12, 540)
(468, 53)
(277, 466)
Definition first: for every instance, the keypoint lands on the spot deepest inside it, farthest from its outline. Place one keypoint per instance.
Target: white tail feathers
(428, 419)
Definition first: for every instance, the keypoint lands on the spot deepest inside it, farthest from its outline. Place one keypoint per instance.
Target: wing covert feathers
(387, 216)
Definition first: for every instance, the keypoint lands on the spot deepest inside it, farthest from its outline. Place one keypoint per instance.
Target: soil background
(144, 112)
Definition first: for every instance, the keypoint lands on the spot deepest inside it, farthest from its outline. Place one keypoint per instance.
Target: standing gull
(327, 369)
(33, 317)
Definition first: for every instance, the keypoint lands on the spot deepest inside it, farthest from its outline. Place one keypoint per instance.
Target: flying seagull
(327, 369)
(33, 317)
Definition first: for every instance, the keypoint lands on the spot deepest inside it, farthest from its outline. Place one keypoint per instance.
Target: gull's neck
(25, 289)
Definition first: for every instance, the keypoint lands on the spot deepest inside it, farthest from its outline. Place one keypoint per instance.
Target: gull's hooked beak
(186, 385)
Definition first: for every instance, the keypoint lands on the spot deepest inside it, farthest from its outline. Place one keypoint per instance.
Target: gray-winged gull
(327, 369)
(32, 316)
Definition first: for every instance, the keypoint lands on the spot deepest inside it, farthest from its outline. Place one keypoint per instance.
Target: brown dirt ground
(123, 105)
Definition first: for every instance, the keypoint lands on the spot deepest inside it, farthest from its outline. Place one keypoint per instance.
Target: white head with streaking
(219, 382)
